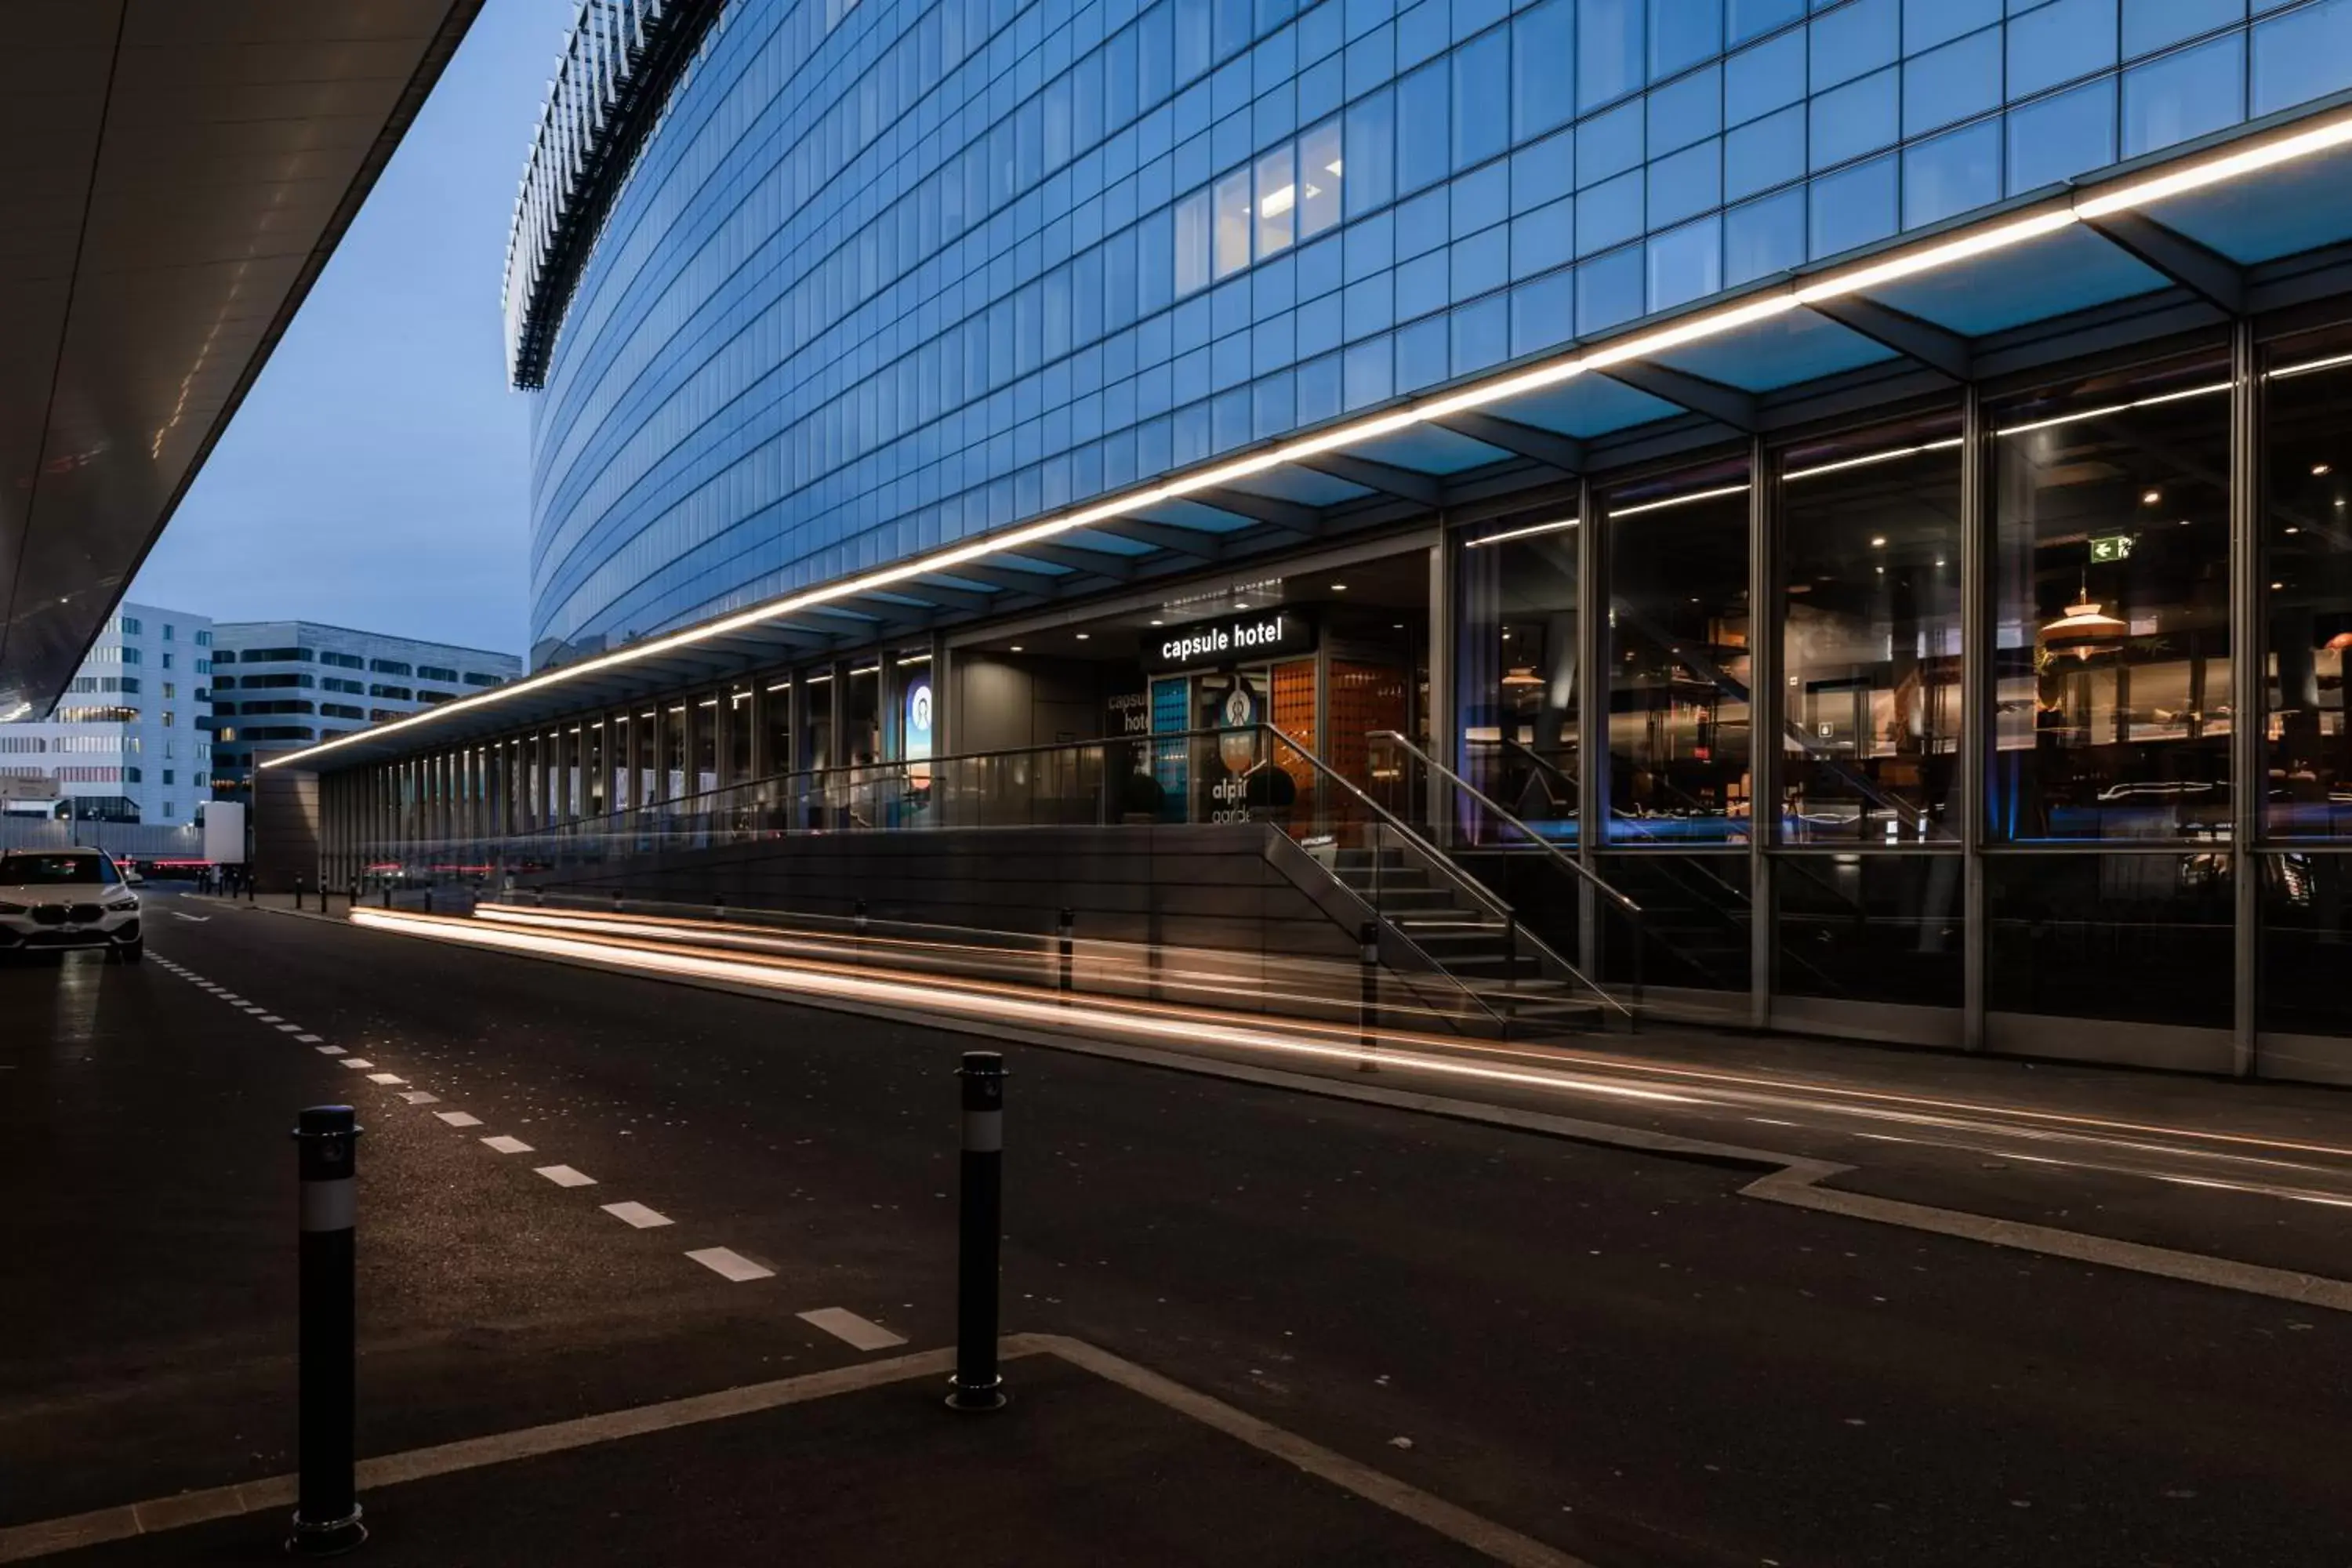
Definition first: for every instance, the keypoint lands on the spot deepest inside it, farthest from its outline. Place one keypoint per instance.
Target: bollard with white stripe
(982, 1217)
(327, 1509)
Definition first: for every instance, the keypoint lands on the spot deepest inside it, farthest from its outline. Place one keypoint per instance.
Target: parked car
(57, 899)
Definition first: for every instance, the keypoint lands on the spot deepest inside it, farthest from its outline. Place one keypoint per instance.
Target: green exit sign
(2113, 547)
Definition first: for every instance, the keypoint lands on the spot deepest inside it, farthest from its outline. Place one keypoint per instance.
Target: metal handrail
(1474, 792)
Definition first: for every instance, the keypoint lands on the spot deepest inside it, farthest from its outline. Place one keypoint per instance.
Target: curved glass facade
(891, 274)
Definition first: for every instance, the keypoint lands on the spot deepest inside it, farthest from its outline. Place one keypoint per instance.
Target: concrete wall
(1005, 702)
(285, 829)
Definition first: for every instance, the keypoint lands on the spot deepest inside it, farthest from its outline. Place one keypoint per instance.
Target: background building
(130, 741)
(283, 684)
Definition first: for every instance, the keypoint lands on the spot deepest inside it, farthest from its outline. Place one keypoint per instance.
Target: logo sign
(919, 721)
(28, 789)
(1245, 636)
(2106, 549)
(1238, 714)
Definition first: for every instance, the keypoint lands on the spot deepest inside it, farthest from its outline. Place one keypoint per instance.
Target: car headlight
(128, 903)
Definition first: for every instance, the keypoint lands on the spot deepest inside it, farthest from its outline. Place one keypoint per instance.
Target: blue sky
(378, 474)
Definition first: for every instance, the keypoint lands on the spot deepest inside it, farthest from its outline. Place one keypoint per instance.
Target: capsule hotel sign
(1242, 638)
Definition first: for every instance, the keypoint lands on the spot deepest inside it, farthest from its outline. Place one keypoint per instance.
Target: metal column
(1764, 742)
(2247, 683)
(1979, 729)
(1591, 712)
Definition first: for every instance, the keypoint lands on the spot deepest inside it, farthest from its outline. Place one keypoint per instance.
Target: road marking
(386, 1078)
(565, 1176)
(730, 1264)
(271, 1018)
(290, 1029)
(636, 1213)
(847, 1326)
(331, 1050)
(459, 1118)
(1458, 1524)
(359, 1062)
(508, 1145)
(253, 1007)
(420, 1097)
(198, 919)
(310, 1039)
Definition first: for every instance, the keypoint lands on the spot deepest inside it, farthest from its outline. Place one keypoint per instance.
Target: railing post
(980, 1214)
(1066, 945)
(1368, 1000)
(860, 937)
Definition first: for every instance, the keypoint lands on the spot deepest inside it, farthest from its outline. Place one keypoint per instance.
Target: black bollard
(387, 895)
(1368, 1003)
(1069, 952)
(327, 1509)
(616, 901)
(859, 954)
(982, 1218)
(297, 892)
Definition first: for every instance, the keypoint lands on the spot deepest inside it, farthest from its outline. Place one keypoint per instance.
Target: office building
(130, 738)
(281, 685)
(1865, 483)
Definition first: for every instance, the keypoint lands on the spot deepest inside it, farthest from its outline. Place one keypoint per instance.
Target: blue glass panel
(1423, 128)
(1421, 222)
(2184, 95)
(1543, 313)
(1688, 183)
(1683, 112)
(1957, 82)
(1589, 406)
(1544, 238)
(2298, 206)
(1609, 144)
(1481, 262)
(1472, 17)
(1482, 334)
(1318, 390)
(1368, 307)
(1370, 375)
(1609, 214)
(1853, 207)
(1422, 285)
(2152, 24)
(1857, 118)
(1544, 171)
(1784, 350)
(1853, 40)
(2065, 135)
(1482, 198)
(1766, 78)
(1769, 152)
(1423, 32)
(1371, 157)
(1951, 173)
(1543, 67)
(1765, 237)
(2069, 270)
(1682, 34)
(1609, 52)
(1608, 291)
(1927, 22)
(1482, 114)
(1754, 18)
(1422, 354)
(2061, 41)
(1685, 263)
(2303, 56)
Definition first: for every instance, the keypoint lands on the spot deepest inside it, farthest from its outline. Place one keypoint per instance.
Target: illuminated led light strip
(2002, 234)
(2330, 362)
(1528, 532)
(1868, 458)
(933, 997)
(1715, 494)
(2103, 412)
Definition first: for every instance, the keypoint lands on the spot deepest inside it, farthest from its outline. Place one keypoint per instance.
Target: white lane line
(271, 1018)
(386, 1078)
(848, 1327)
(420, 1097)
(730, 1264)
(565, 1176)
(331, 1050)
(637, 1215)
(253, 1007)
(505, 1144)
(460, 1118)
(361, 1063)
(290, 1029)
(310, 1039)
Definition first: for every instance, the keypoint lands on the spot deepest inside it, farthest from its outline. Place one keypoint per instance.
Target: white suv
(57, 899)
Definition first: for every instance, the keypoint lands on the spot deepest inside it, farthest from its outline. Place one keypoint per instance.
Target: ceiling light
(1398, 627)
(2085, 630)
(2319, 470)
(1339, 588)
(1084, 636)
(1529, 531)
(2149, 497)
(2214, 171)
(2292, 529)
(1016, 647)
(1878, 541)
(1159, 623)
(1523, 675)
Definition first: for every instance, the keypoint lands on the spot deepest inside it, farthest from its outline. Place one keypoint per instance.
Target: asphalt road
(1609, 1352)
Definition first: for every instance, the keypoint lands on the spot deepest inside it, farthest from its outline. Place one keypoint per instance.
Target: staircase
(1486, 954)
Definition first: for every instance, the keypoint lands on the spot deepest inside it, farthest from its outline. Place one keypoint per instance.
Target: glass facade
(890, 275)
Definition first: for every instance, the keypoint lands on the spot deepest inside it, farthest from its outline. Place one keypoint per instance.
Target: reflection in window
(1232, 223)
(1319, 169)
(2307, 586)
(1871, 635)
(1678, 650)
(2112, 592)
(1519, 650)
(1193, 243)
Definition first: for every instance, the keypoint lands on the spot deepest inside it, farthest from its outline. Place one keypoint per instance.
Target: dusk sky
(377, 476)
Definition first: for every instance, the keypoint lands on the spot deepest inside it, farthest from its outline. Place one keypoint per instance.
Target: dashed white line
(460, 1118)
(361, 1063)
(637, 1215)
(420, 1097)
(331, 1050)
(290, 1029)
(310, 1039)
(565, 1176)
(847, 1326)
(386, 1078)
(505, 1144)
(271, 1018)
(730, 1264)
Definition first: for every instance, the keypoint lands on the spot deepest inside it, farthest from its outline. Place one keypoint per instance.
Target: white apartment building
(130, 738)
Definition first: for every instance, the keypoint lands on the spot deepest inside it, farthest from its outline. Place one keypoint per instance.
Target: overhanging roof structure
(172, 178)
(2251, 222)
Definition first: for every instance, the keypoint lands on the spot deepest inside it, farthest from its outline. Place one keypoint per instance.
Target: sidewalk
(1093, 1461)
